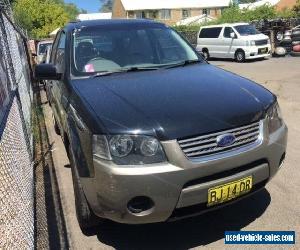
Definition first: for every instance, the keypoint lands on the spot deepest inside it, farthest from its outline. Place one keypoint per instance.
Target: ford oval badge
(225, 140)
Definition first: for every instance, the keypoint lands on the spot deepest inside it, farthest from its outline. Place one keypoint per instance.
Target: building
(168, 11)
(285, 4)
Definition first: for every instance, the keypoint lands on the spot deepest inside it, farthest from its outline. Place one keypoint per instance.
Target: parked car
(239, 41)
(42, 50)
(153, 132)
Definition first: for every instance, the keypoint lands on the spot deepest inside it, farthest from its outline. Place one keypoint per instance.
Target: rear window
(210, 32)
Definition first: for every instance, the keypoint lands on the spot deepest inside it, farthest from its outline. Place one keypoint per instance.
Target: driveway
(275, 208)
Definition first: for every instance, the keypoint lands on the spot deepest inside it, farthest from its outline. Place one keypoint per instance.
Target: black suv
(153, 132)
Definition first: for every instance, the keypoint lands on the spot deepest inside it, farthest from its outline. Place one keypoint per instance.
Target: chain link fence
(16, 139)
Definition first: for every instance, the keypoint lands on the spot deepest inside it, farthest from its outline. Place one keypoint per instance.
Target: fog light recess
(140, 205)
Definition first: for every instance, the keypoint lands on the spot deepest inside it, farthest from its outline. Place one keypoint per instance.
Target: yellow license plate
(263, 50)
(229, 191)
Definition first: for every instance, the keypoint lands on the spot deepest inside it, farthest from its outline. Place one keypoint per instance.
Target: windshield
(43, 47)
(246, 30)
(99, 49)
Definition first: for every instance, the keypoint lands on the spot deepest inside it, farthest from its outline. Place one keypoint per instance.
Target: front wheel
(85, 216)
(240, 56)
(205, 54)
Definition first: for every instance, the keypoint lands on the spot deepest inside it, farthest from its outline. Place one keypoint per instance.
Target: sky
(89, 5)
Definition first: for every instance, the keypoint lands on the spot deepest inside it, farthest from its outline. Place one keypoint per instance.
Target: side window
(54, 48)
(227, 32)
(210, 32)
(59, 60)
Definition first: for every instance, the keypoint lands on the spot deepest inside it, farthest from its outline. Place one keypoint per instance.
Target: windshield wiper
(182, 63)
(130, 69)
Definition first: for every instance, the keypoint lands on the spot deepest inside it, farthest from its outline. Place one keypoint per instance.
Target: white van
(240, 41)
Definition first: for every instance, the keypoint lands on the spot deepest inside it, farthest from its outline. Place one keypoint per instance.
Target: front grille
(261, 42)
(207, 144)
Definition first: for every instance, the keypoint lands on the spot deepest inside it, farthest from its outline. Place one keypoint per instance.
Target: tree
(106, 5)
(297, 7)
(41, 17)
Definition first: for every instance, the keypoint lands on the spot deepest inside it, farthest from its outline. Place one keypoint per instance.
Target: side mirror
(233, 35)
(46, 72)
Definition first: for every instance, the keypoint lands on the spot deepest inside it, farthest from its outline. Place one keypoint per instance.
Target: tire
(280, 51)
(205, 54)
(85, 216)
(296, 32)
(296, 48)
(296, 54)
(294, 43)
(55, 124)
(279, 36)
(285, 42)
(295, 37)
(240, 56)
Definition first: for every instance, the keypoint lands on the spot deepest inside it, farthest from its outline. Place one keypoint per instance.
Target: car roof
(92, 23)
(223, 25)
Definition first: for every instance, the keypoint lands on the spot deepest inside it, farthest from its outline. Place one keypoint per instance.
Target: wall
(176, 14)
(286, 4)
(118, 10)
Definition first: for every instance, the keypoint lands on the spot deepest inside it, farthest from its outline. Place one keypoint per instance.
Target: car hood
(173, 103)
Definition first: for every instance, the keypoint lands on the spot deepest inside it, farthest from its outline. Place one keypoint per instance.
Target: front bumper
(253, 52)
(180, 183)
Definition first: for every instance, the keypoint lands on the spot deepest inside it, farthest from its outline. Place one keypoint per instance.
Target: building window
(140, 14)
(186, 13)
(206, 11)
(153, 14)
(130, 14)
(165, 14)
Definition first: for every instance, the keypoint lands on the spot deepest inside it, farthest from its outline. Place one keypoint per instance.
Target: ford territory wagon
(153, 132)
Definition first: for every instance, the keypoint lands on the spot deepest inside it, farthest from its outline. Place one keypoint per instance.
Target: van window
(227, 32)
(246, 30)
(210, 32)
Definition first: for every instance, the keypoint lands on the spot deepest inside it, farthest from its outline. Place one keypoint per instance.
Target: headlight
(128, 149)
(120, 145)
(252, 43)
(274, 118)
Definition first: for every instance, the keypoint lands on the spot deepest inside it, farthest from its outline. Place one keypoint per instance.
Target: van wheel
(240, 56)
(56, 127)
(85, 216)
(205, 54)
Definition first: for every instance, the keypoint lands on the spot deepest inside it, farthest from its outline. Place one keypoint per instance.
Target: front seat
(85, 51)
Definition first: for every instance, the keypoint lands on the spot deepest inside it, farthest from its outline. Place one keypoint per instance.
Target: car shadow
(187, 233)
(211, 59)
